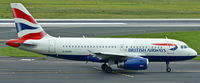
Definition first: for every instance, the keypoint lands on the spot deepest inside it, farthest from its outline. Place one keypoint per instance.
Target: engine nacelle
(134, 64)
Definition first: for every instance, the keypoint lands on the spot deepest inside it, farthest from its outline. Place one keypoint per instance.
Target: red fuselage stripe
(165, 44)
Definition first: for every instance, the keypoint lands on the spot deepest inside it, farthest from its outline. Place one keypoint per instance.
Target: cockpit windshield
(184, 46)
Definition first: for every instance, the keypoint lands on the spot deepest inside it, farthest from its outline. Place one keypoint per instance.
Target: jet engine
(134, 64)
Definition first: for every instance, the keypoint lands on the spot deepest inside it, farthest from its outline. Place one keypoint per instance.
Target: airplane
(126, 53)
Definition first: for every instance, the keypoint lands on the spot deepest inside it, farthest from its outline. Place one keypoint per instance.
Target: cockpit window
(184, 46)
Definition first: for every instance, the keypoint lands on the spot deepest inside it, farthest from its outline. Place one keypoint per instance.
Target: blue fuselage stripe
(94, 59)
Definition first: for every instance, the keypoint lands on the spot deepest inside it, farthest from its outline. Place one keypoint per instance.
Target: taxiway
(17, 70)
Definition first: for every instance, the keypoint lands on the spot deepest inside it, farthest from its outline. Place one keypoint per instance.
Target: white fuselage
(128, 46)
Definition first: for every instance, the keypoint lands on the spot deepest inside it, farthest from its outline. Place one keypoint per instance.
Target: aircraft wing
(107, 55)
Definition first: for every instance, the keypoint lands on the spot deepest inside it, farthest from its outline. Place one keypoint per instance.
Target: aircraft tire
(108, 70)
(168, 69)
(103, 66)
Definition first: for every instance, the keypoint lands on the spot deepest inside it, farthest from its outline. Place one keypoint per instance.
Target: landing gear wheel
(108, 70)
(168, 69)
(103, 66)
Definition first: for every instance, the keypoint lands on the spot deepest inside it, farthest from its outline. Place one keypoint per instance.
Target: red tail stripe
(19, 14)
(165, 44)
(34, 36)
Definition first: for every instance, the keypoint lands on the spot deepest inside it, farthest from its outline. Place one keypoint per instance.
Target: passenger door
(122, 48)
(52, 45)
(170, 47)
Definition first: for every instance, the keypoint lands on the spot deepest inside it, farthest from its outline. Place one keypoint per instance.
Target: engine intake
(134, 64)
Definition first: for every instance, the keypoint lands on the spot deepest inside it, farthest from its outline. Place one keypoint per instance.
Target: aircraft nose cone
(193, 52)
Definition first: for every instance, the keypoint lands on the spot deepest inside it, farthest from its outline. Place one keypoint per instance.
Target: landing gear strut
(168, 69)
(106, 68)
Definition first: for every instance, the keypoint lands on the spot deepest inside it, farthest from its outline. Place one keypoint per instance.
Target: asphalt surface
(132, 23)
(160, 21)
(10, 33)
(16, 70)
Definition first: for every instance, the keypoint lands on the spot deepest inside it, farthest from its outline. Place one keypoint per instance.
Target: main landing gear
(106, 68)
(168, 69)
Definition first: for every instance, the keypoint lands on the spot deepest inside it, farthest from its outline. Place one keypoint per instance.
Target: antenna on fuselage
(166, 37)
(83, 36)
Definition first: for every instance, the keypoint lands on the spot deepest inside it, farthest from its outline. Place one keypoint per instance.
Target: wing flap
(106, 55)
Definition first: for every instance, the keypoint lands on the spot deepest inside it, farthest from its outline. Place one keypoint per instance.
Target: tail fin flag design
(26, 26)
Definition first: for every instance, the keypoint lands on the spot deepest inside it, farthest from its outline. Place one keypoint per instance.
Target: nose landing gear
(168, 69)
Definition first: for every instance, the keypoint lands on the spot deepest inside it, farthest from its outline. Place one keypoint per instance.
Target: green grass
(106, 8)
(192, 38)
(14, 52)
